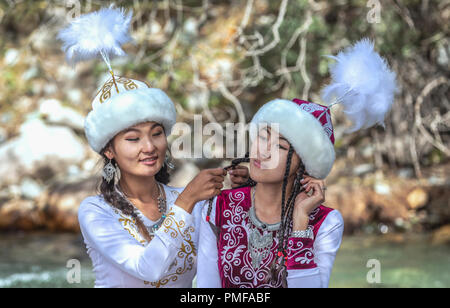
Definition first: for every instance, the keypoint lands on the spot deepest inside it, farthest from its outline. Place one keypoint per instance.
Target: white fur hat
(121, 102)
(117, 108)
(301, 123)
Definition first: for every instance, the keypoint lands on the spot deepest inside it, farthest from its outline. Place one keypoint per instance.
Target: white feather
(363, 83)
(100, 33)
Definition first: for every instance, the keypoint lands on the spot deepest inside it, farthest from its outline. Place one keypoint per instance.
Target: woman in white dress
(138, 231)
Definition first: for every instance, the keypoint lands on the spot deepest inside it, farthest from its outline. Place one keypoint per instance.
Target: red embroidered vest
(235, 261)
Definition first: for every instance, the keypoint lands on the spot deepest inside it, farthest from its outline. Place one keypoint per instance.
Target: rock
(441, 236)
(382, 188)
(75, 96)
(61, 202)
(406, 173)
(30, 189)
(17, 214)
(362, 169)
(438, 206)
(417, 198)
(3, 134)
(89, 165)
(55, 113)
(56, 209)
(12, 56)
(31, 73)
(40, 151)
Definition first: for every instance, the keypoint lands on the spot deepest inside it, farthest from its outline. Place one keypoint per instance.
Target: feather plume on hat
(100, 33)
(363, 83)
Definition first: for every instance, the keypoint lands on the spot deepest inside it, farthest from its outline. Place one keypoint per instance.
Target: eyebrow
(131, 129)
(281, 137)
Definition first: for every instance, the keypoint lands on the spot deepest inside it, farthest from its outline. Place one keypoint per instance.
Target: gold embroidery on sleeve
(185, 259)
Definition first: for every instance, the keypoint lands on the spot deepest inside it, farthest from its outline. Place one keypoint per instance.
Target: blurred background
(222, 60)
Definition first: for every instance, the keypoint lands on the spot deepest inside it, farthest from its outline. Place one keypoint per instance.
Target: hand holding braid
(305, 204)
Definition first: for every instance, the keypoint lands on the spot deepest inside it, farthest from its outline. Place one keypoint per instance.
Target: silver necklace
(162, 208)
(260, 236)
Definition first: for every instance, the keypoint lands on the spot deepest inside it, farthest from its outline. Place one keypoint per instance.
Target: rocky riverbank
(47, 168)
(370, 202)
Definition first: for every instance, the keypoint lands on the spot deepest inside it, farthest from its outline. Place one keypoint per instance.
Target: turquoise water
(40, 260)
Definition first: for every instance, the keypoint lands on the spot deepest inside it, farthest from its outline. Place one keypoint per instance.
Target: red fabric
(234, 260)
(316, 110)
(300, 250)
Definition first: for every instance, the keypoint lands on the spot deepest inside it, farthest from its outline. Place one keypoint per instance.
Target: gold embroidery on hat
(127, 83)
(106, 89)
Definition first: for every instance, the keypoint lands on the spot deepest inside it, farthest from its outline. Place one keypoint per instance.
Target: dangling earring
(108, 171)
(168, 161)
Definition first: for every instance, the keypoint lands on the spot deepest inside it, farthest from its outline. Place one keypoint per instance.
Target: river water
(42, 260)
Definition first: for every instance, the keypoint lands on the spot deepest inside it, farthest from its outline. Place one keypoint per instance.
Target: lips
(257, 163)
(149, 160)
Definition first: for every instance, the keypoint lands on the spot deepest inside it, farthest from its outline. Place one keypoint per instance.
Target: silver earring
(168, 162)
(108, 171)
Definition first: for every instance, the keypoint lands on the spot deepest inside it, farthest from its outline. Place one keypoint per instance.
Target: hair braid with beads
(287, 208)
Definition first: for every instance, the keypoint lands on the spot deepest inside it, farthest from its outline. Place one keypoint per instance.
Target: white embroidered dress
(121, 257)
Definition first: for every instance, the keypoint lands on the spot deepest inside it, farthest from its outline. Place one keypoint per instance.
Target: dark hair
(116, 200)
(287, 209)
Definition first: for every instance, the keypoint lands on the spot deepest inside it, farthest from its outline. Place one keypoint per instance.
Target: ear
(109, 152)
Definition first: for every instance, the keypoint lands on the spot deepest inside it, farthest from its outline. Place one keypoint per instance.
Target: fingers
(217, 171)
(238, 176)
(239, 171)
(307, 180)
(317, 191)
(217, 178)
(237, 181)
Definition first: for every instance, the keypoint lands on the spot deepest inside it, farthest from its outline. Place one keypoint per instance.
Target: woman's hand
(305, 204)
(239, 176)
(207, 184)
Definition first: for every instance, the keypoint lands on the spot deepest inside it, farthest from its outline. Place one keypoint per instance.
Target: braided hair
(117, 200)
(278, 265)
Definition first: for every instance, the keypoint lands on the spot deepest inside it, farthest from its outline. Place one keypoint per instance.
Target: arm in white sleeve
(318, 262)
(207, 266)
(104, 232)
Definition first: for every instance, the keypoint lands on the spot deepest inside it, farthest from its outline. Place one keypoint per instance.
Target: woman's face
(139, 150)
(268, 157)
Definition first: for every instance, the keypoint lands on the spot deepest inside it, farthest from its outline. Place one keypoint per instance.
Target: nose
(263, 150)
(148, 146)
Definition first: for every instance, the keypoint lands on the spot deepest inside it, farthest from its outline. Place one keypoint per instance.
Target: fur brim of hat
(303, 131)
(125, 110)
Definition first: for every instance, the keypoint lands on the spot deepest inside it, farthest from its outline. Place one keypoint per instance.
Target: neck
(268, 198)
(139, 189)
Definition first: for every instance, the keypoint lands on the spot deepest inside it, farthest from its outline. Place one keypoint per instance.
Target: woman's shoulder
(327, 219)
(323, 212)
(94, 205)
(172, 192)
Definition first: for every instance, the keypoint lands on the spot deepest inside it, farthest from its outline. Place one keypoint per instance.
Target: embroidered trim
(106, 89)
(186, 256)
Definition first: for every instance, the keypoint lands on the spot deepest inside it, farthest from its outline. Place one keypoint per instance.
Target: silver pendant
(259, 246)
(260, 236)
